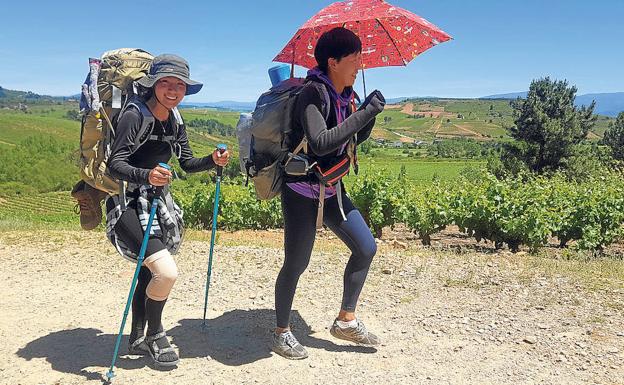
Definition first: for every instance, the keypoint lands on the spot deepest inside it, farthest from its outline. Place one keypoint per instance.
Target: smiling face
(170, 91)
(345, 70)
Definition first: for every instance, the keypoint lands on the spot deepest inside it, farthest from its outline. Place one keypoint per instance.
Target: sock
(347, 324)
(138, 305)
(153, 311)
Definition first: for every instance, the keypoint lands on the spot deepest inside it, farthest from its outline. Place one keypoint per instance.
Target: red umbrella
(391, 36)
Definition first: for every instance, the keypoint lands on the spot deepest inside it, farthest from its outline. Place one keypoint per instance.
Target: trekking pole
(221, 148)
(111, 372)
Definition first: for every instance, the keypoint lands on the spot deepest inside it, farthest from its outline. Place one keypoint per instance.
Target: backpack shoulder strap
(147, 124)
(147, 127)
(176, 148)
(324, 97)
(326, 108)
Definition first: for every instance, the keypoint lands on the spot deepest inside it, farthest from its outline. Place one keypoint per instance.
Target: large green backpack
(108, 91)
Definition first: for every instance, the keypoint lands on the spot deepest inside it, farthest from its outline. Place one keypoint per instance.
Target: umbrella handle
(364, 83)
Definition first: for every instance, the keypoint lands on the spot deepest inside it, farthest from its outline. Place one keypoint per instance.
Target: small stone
(540, 307)
(543, 326)
(530, 340)
(620, 334)
(398, 244)
(387, 271)
(613, 350)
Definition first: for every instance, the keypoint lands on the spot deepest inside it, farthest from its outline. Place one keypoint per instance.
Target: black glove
(374, 102)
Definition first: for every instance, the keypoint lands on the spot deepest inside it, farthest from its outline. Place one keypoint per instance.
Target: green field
(226, 117)
(16, 126)
(417, 169)
(50, 121)
(476, 119)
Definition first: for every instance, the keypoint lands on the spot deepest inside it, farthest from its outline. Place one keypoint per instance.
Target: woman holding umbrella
(390, 36)
(332, 128)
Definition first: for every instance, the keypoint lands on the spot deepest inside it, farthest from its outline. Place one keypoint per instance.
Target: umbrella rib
(392, 40)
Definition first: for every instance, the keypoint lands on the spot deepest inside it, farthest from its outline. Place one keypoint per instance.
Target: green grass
(50, 210)
(419, 170)
(17, 126)
(602, 124)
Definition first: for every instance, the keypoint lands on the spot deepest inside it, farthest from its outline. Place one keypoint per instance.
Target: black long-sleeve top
(135, 167)
(326, 137)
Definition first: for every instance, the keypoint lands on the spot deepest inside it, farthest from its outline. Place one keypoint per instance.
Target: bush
(523, 210)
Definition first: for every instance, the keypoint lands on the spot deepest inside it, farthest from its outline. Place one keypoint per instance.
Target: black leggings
(299, 233)
(128, 228)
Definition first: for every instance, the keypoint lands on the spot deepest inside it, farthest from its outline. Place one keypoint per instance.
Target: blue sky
(498, 47)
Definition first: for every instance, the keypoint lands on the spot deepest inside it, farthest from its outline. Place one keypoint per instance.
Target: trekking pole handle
(158, 189)
(221, 148)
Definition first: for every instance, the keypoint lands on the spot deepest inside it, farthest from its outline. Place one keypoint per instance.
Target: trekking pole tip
(109, 376)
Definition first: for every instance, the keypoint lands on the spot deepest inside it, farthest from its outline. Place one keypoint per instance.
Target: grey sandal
(161, 356)
(138, 347)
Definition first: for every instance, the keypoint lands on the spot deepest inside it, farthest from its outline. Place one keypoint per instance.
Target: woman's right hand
(159, 176)
(374, 102)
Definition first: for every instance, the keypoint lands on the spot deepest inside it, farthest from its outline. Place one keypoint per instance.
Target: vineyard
(27, 211)
(529, 211)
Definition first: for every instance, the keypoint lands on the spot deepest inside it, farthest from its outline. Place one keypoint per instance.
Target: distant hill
(608, 104)
(7, 95)
(227, 105)
(512, 95)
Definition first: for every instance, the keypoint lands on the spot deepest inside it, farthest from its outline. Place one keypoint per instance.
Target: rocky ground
(453, 313)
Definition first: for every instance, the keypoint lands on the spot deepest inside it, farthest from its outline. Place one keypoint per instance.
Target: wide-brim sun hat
(170, 65)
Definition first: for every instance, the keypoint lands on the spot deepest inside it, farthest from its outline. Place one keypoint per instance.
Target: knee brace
(164, 274)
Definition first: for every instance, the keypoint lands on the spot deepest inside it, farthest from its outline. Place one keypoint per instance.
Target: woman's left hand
(221, 158)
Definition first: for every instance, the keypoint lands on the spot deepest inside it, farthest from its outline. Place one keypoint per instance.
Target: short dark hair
(336, 43)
